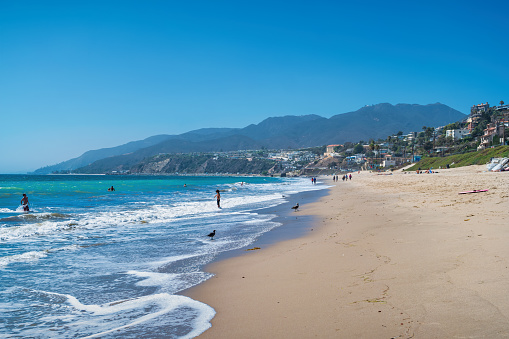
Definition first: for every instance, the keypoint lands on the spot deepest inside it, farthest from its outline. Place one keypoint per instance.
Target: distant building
(475, 114)
(501, 107)
(410, 136)
(357, 158)
(388, 163)
(472, 122)
(489, 132)
(479, 109)
(457, 134)
(330, 149)
(440, 149)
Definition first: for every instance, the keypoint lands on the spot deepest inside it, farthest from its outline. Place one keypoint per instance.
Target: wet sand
(389, 256)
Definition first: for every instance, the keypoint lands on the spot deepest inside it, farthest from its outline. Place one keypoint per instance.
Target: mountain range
(369, 122)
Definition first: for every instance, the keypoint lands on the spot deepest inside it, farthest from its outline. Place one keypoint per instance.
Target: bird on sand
(211, 235)
(295, 207)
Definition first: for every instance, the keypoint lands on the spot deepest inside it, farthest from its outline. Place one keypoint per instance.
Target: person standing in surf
(218, 196)
(24, 203)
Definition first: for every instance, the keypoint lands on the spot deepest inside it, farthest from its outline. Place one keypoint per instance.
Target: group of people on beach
(313, 180)
(428, 171)
(345, 177)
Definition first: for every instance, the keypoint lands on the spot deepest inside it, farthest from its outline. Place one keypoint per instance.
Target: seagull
(211, 235)
(295, 207)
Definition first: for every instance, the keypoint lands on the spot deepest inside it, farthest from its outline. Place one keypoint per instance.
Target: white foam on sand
(82, 319)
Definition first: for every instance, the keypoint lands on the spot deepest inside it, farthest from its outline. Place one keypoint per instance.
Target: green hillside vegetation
(460, 160)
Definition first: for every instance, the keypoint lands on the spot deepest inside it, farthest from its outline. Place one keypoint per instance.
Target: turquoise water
(86, 262)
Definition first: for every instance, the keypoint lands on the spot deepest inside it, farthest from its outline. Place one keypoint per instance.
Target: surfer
(24, 202)
(218, 196)
(111, 189)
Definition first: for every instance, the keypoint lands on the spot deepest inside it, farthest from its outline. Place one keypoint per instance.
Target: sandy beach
(388, 256)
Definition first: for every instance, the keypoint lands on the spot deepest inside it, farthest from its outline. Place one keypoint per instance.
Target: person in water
(24, 202)
(218, 196)
(111, 188)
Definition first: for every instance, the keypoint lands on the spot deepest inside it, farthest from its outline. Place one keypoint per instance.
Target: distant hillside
(89, 157)
(125, 162)
(206, 164)
(376, 121)
(92, 156)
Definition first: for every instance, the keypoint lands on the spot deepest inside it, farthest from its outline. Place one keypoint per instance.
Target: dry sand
(399, 256)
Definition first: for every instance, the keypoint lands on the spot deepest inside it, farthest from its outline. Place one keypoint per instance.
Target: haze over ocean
(78, 76)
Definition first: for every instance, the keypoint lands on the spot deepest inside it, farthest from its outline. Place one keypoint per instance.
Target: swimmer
(218, 196)
(24, 202)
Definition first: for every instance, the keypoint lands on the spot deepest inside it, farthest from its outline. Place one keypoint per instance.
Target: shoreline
(293, 224)
(389, 256)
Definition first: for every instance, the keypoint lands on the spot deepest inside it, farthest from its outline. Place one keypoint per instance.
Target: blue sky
(81, 75)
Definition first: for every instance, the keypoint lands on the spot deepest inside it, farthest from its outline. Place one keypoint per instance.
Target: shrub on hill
(460, 160)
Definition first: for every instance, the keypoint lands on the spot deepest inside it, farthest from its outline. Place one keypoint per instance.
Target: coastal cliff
(189, 164)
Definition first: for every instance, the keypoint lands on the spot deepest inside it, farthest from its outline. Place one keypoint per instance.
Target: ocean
(86, 262)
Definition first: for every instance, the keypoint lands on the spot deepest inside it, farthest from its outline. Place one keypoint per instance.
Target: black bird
(211, 235)
(295, 207)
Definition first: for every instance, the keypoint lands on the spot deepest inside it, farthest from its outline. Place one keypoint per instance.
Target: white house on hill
(457, 133)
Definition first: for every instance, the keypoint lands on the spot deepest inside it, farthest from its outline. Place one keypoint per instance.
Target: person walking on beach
(218, 196)
(350, 176)
(24, 202)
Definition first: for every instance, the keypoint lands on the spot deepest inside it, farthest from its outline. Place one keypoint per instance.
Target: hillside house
(493, 129)
(472, 121)
(330, 150)
(410, 136)
(357, 158)
(479, 109)
(457, 134)
(475, 114)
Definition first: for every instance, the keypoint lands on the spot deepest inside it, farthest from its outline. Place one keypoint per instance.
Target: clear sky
(82, 75)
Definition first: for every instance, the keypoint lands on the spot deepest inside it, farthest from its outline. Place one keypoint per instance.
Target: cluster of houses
(496, 128)
(383, 156)
(287, 161)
